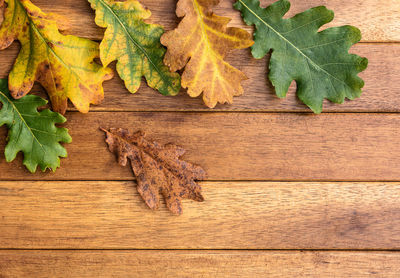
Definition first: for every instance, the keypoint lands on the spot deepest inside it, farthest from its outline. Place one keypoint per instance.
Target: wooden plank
(198, 264)
(380, 93)
(235, 215)
(239, 146)
(378, 20)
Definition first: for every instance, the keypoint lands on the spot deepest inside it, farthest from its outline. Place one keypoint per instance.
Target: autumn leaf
(32, 132)
(199, 44)
(135, 44)
(157, 169)
(319, 62)
(63, 65)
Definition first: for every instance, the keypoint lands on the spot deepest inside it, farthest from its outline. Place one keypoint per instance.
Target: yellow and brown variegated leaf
(63, 65)
(199, 44)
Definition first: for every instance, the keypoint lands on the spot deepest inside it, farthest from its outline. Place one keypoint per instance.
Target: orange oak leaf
(63, 65)
(199, 44)
(157, 169)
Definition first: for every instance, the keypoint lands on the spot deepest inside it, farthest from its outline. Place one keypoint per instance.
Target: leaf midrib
(32, 24)
(135, 42)
(23, 120)
(291, 44)
(203, 27)
(141, 150)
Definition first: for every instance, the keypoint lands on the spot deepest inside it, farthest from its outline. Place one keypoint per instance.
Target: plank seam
(241, 112)
(259, 250)
(213, 181)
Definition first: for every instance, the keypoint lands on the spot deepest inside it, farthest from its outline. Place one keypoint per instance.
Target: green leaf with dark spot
(319, 62)
(135, 45)
(32, 132)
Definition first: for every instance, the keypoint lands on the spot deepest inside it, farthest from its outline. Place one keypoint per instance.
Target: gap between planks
(182, 250)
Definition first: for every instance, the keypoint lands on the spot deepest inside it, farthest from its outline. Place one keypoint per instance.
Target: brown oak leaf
(158, 169)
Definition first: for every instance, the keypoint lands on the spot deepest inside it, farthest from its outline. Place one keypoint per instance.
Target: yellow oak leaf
(63, 65)
(199, 44)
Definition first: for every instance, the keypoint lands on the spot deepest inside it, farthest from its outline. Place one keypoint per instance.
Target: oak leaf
(157, 169)
(135, 45)
(63, 65)
(318, 61)
(32, 132)
(199, 44)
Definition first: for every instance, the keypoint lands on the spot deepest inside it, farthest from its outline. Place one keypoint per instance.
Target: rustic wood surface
(239, 146)
(235, 215)
(377, 19)
(199, 264)
(278, 178)
(380, 94)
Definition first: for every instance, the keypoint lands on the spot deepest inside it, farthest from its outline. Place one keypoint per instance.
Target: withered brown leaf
(158, 169)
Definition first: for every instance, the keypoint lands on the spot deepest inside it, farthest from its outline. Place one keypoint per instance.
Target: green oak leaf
(135, 45)
(319, 62)
(32, 132)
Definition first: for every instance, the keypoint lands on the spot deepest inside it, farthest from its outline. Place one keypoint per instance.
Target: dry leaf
(157, 169)
(199, 44)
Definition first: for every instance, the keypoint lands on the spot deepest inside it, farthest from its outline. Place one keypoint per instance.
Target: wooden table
(289, 193)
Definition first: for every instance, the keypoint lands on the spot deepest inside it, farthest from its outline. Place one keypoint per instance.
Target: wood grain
(109, 214)
(378, 20)
(239, 146)
(235, 215)
(198, 264)
(379, 95)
